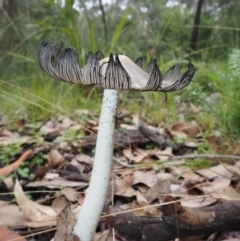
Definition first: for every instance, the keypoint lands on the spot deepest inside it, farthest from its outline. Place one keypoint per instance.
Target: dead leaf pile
(149, 165)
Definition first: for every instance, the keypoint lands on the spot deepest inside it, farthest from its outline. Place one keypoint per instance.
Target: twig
(210, 156)
(122, 163)
(5, 171)
(190, 156)
(165, 164)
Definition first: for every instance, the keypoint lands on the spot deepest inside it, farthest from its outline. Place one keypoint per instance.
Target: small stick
(5, 171)
(210, 156)
(189, 156)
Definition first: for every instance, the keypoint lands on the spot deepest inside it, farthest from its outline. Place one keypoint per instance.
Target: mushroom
(117, 72)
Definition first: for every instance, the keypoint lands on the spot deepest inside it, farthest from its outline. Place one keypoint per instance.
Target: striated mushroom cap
(115, 72)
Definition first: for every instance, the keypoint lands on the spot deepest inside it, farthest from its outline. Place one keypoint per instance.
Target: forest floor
(45, 167)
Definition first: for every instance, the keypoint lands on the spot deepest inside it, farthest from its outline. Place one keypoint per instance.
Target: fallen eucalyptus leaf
(65, 225)
(32, 210)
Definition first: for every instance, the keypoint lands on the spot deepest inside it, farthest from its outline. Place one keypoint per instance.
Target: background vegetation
(207, 32)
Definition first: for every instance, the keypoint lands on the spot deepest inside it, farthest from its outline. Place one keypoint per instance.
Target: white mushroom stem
(91, 209)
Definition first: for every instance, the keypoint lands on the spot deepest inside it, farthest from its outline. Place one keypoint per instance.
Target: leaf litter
(143, 175)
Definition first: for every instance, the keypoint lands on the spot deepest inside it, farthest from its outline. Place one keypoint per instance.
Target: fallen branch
(178, 222)
(137, 137)
(122, 139)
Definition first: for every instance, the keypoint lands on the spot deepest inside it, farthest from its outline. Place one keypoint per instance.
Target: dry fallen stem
(5, 171)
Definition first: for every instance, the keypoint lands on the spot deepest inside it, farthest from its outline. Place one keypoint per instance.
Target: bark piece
(159, 139)
(122, 139)
(137, 137)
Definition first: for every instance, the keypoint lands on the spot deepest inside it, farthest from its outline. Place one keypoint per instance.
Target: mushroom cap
(137, 75)
(115, 72)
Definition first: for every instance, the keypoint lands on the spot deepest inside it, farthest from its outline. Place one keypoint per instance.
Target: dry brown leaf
(8, 137)
(197, 202)
(85, 159)
(124, 189)
(37, 224)
(70, 194)
(2, 202)
(137, 210)
(59, 203)
(83, 163)
(232, 239)
(215, 144)
(178, 171)
(227, 193)
(91, 124)
(141, 200)
(5, 171)
(51, 176)
(180, 190)
(127, 176)
(167, 176)
(161, 154)
(8, 182)
(192, 176)
(20, 123)
(193, 108)
(235, 169)
(64, 124)
(32, 210)
(48, 127)
(8, 235)
(11, 216)
(146, 178)
(65, 225)
(141, 187)
(101, 236)
(7, 133)
(216, 171)
(137, 155)
(179, 134)
(209, 187)
(191, 129)
(147, 211)
(76, 127)
(161, 187)
(54, 159)
(175, 190)
(236, 151)
(190, 144)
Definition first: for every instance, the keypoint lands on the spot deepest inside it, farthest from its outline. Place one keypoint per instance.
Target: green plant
(38, 159)
(59, 191)
(23, 172)
(70, 135)
(7, 151)
(198, 163)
